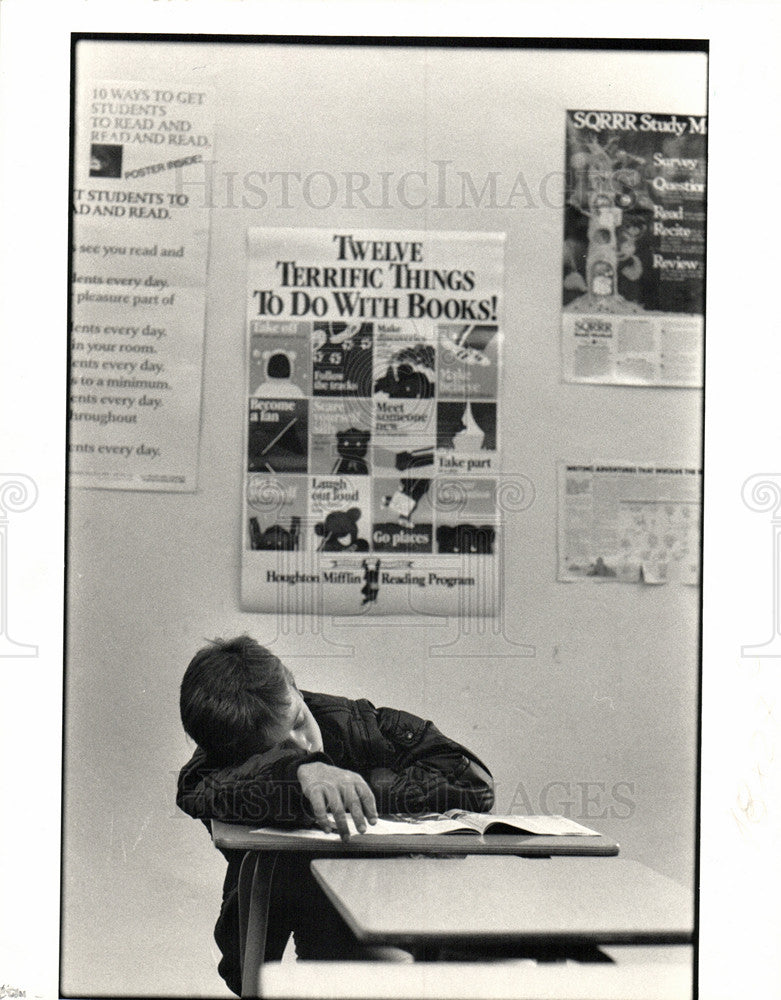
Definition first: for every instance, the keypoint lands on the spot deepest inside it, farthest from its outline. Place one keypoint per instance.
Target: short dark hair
(232, 693)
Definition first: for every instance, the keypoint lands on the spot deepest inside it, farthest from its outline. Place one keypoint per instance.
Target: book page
(547, 826)
(409, 826)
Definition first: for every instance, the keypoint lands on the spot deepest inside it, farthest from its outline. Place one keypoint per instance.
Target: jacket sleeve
(424, 771)
(263, 789)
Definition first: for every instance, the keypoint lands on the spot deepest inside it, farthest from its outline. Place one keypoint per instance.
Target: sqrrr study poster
(372, 471)
(634, 248)
(138, 283)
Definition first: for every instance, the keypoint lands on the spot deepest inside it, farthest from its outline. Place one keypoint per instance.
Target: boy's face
(296, 727)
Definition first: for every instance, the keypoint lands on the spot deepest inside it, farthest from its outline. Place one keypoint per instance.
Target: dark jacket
(409, 764)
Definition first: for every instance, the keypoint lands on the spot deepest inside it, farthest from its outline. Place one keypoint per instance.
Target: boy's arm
(264, 789)
(423, 770)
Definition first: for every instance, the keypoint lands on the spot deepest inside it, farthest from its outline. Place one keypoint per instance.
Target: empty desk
(478, 900)
(648, 973)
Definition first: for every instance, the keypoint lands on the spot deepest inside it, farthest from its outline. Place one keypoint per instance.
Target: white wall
(610, 694)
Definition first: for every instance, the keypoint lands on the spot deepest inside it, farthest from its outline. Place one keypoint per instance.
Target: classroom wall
(605, 702)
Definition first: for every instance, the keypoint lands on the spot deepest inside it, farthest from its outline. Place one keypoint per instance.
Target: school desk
(625, 973)
(480, 900)
(598, 927)
(262, 849)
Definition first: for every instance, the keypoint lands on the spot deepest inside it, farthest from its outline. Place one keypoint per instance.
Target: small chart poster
(372, 477)
(629, 523)
(634, 248)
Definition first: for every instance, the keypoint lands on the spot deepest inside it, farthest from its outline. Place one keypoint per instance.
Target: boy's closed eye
(290, 739)
(298, 730)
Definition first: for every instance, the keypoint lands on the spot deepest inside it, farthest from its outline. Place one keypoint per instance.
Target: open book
(455, 821)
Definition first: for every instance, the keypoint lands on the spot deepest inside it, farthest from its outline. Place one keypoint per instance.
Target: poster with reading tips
(371, 453)
(138, 283)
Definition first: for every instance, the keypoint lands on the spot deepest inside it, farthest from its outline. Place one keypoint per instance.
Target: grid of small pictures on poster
(634, 248)
(372, 457)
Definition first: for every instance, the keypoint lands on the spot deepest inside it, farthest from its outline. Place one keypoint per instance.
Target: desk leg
(429, 951)
(255, 876)
(246, 871)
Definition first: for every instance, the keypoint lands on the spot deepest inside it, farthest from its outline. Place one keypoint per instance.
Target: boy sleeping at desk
(271, 755)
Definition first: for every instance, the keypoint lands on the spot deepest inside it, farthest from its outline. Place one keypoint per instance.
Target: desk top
(663, 973)
(231, 836)
(414, 900)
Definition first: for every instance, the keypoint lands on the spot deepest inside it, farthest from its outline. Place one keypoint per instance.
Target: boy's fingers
(340, 817)
(317, 801)
(368, 803)
(356, 811)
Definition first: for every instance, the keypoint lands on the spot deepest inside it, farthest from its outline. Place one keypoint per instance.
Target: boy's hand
(331, 789)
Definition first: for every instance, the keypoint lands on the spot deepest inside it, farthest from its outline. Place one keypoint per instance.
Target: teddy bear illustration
(339, 532)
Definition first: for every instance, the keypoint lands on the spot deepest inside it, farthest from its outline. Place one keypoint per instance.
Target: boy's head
(238, 699)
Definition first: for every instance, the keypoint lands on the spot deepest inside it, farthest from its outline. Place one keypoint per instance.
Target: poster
(629, 523)
(634, 248)
(140, 235)
(372, 456)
